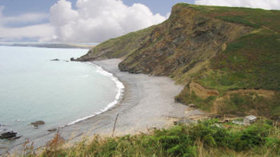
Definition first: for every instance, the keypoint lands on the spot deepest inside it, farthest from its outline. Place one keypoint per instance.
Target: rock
(249, 120)
(37, 123)
(52, 130)
(238, 122)
(72, 59)
(56, 59)
(192, 105)
(8, 135)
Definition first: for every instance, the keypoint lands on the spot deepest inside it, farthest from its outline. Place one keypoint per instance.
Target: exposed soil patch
(201, 91)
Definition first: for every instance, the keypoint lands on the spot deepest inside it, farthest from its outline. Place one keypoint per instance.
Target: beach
(147, 102)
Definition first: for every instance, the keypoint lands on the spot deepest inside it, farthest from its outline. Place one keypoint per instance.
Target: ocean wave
(120, 90)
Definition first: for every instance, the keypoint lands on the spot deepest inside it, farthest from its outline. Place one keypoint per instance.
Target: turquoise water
(59, 93)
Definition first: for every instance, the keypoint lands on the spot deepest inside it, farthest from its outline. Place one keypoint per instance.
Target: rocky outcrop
(52, 130)
(37, 123)
(10, 135)
(187, 39)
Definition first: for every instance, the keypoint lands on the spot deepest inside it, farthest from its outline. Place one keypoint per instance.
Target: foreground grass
(207, 138)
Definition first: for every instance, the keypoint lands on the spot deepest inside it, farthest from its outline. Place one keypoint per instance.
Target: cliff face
(187, 39)
(232, 51)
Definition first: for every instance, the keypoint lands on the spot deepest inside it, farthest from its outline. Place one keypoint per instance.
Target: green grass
(235, 104)
(249, 62)
(186, 97)
(255, 18)
(118, 47)
(242, 104)
(207, 137)
(239, 20)
(222, 48)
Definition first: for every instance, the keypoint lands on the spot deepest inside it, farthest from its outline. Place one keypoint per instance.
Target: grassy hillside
(207, 139)
(228, 58)
(248, 62)
(118, 47)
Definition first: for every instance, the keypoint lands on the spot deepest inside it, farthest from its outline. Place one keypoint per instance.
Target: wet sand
(148, 102)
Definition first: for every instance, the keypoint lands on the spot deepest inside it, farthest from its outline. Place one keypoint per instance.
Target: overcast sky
(92, 20)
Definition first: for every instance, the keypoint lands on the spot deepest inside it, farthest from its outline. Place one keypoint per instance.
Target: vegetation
(221, 48)
(188, 97)
(117, 47)
(240, 105)
(233, 53)
(206, 138)
(248, 62)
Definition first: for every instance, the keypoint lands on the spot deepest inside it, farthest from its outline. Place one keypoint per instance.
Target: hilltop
(227, 58)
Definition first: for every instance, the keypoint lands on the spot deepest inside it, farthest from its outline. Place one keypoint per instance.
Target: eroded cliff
(232, 51)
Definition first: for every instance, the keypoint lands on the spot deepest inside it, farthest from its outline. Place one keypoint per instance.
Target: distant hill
(227, 58)
(47, 45)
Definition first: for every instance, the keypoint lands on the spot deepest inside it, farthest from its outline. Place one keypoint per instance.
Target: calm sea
(33, 88)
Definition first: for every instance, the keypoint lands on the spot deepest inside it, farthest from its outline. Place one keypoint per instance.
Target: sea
(42, 84)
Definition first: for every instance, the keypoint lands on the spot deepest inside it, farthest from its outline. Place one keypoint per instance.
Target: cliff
(228, 58)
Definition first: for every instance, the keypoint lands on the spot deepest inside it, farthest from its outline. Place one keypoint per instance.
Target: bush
(186, 141)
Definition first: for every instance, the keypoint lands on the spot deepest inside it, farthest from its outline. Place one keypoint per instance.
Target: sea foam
(118, 97)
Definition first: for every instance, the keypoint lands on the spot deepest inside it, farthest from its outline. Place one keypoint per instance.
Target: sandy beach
(148, 102)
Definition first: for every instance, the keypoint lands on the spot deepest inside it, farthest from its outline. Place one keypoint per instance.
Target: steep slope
(117, 47)
(186, 40)
(246, 73)
(223, 55)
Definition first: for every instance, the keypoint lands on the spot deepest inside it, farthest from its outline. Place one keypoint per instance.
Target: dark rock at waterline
(72, 59)
(37, 123)
(52, 130)
(9, 135)
(55, 59)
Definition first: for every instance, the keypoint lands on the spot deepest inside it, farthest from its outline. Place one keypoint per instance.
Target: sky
(92, 21)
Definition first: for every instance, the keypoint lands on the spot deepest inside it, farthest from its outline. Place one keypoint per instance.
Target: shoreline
(118, 97)
(147, 102)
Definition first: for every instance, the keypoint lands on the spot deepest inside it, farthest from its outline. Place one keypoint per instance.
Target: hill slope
(228, 58)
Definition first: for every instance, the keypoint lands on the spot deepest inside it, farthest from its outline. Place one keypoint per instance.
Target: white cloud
(24, 18)
(62, 13)
(91, 21)
(264, 4)
(98, 20)
(41, 32)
